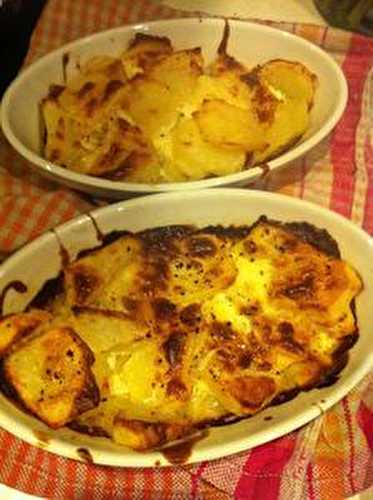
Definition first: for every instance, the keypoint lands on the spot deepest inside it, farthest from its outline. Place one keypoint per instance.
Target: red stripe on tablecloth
(18, 462)
(149, 485)
(35, 470)
(368, 209)
(89, 475)
(310, 480)
(195, 476)
(109, 484)
(342, 149)
(168, 483)
(350, 433)
(261, 474)
(365, 421)
(71, 469)
(51, 471)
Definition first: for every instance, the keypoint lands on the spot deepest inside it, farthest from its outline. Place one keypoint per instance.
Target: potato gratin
(155, 114)
(160, 333)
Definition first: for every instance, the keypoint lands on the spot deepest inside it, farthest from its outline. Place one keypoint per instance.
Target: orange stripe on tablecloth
(29, 484)
(356, 66)
(69, 484)
(70, 212)
(50, 210)
(16, 229)
(22, 456)
(82, 20)
(5, 439)
(13, 461)
(112, 14)
(51, 471)
(7, 210)
(67, 32)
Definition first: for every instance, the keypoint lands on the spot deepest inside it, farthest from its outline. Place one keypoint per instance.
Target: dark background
(17, 21)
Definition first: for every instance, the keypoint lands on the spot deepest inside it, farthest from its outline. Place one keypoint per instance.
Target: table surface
(332, 457)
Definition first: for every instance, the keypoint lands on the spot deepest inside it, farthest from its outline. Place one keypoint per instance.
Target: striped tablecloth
(332, 457)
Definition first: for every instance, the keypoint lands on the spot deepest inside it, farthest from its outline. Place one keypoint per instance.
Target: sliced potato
(51, 375)
(290, 122)
(196, 158)
(152, 107)
(143, 53)
(230, 127)
(140, 435)
(293, 80)
(16, 326)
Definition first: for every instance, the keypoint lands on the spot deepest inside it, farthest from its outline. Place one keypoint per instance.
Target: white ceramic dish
(223, 206)
(248, 42)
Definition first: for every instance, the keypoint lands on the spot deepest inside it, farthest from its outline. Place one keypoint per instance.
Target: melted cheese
(193, 326)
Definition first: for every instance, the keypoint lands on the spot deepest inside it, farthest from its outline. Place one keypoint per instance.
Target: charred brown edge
(51, 289)
(223, 45)
(308, 233)
(318, 238)
(144, 37)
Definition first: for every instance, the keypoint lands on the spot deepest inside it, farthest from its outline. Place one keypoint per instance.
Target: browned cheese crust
(185, 328)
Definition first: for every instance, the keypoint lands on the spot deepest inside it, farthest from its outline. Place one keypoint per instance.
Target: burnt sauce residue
(16, 285)
(85, 455)
(64, 254)
(48, 292)
(179, 453)
(265, 169)
(65, 62)
(99, 234)
(222, 49)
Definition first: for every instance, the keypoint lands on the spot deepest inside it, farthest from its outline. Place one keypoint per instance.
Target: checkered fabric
(332, 457)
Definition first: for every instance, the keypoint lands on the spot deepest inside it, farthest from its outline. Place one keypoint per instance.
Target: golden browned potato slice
(290, 121)
(228, 126)
(152, 107)
(157, 97)
(139, 166)
(86, 278)
(51, 375)
(225, 65)
(141, 436)
(293, 80)
(16, 326)
(144, 52)
(196, 158)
